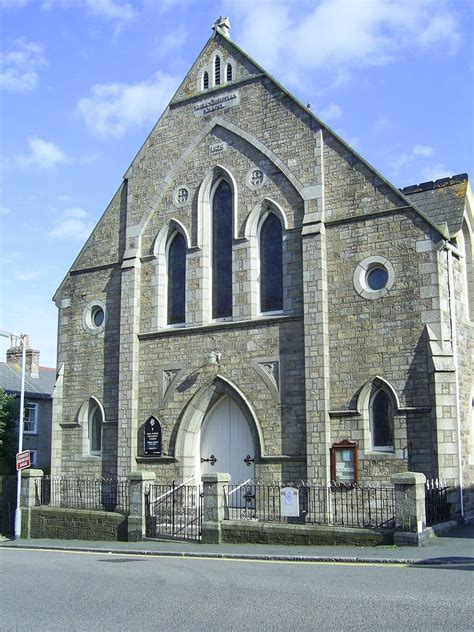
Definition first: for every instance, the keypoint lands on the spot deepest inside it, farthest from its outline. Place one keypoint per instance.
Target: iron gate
(436, 502)
(174, 511)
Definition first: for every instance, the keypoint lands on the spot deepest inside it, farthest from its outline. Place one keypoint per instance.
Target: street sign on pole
(23, 460)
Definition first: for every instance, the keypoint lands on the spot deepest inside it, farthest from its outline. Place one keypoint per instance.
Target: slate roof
(35, 387)
(442, 200)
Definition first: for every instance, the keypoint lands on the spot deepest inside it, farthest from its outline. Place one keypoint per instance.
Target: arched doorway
(226, 441)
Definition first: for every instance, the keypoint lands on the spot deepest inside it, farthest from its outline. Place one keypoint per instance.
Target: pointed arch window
(381, 421)
(205, 81)
(177, 280)
(228, 72)
(271, 265)
(95, 429)
(217, 71)
(222, 221)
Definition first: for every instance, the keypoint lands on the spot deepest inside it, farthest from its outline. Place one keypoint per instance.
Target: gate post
(29, 497)
(213, 506)
(137, 481)
(410, 513)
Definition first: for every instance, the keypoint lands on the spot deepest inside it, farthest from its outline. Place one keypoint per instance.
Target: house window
(30, 418)
(95, 430)
(205, 81)
(33, 458)
(222, 222)
(271, 265)
(217, 71)
(381, 421)
(228, 72)
(177, 280)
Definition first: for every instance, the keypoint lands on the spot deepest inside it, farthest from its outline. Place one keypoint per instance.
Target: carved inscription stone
(214, 104)
(217, 148)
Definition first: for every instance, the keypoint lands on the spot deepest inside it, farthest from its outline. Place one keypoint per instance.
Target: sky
(82, 83)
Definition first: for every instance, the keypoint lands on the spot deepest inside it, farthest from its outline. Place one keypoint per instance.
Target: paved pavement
(450, 547)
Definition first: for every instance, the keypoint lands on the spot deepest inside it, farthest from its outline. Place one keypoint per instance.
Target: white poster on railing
(290, 502)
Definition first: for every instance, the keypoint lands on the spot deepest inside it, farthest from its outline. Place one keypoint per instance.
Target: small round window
(374, 277)
(377, 278)
(94, 316)
(98, 316)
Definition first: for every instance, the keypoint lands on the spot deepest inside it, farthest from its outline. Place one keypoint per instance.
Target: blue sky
(83, 81)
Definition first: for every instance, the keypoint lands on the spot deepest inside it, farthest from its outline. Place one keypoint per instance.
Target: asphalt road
(46, 591)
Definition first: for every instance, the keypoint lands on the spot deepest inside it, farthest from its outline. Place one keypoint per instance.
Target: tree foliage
(9, 413)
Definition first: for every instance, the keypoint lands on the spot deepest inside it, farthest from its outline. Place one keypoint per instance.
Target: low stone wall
(270, 533)
(75, 524)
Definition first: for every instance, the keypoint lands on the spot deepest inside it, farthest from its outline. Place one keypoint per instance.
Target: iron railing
(173, 511)
(99, 494)
(335, 504)
(436, 502)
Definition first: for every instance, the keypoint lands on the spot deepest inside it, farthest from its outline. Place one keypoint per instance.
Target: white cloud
(27, 275)
(332, 112)
(175, 39)
(435, 172)
(19, 66)
(403, 160)
(121, 11)
(43, 153)
(74, 224)
(78, 213)
(340, 35)
(422, 150)
(115, 108)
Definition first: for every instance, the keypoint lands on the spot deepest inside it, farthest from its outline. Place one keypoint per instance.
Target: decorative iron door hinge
(212, 460)
(248, 459)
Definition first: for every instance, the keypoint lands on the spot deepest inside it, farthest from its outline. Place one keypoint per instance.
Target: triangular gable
(188, 89)
(247, 69)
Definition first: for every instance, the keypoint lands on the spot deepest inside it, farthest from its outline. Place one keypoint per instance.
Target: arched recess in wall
(91, 418)
(189, 429)
(216, 122)
(378, 405)
(268, 254)
(165, 241)
(218, 183)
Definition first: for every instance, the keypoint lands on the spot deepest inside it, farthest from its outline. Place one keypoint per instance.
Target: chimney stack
(14, 355)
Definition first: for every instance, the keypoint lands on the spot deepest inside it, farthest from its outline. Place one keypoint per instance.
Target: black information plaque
(152, 435)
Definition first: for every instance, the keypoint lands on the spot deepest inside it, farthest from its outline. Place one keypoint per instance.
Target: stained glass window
(382, 421)
(177, 280)
(95, 430)
(222, 251)
(271, 265)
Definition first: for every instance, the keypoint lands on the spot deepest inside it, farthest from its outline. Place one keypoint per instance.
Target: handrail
(171, 491)
(239, 486)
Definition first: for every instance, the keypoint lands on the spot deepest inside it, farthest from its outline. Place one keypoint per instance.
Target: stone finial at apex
(222, 25)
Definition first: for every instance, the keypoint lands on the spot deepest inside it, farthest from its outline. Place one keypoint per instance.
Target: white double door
(226, 443)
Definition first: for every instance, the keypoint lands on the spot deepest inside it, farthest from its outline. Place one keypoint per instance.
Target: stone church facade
(261, 293)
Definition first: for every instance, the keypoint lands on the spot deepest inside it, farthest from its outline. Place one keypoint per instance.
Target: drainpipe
(452, 314)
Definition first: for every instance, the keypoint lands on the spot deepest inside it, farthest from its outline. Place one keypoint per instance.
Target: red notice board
(23, 460)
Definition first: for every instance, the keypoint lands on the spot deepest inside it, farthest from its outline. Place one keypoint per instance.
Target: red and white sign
(23, 460)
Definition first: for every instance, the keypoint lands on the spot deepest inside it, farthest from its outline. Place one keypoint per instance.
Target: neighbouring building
(39, 384)
(257, 298)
